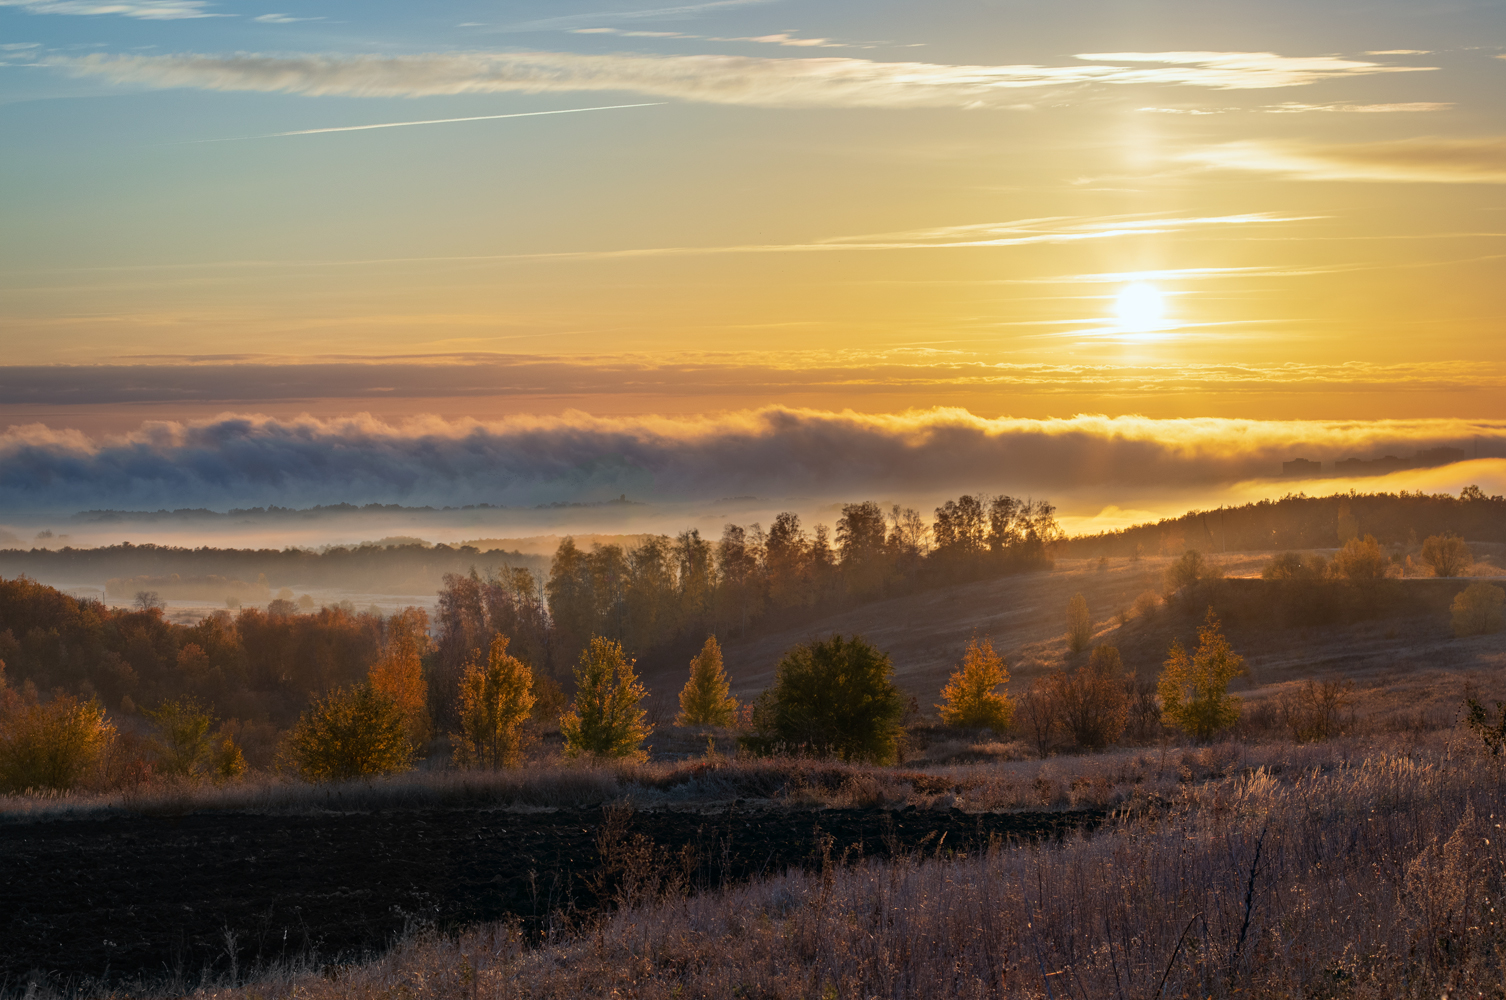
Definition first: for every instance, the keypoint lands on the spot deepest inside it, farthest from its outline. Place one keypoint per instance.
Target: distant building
(1390, 463)
(1301, 467)
(1437, 456)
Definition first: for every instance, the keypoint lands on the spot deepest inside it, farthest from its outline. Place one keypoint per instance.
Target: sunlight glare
(1140, 308)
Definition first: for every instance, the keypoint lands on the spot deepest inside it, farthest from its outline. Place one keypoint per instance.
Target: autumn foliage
(971, 698)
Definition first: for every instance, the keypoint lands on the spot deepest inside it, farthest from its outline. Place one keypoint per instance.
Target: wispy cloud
(242, 460)
(148, 10)
(1423, 160)
(1296, 108)
(283, 19)
(716, 79)
(786, 38)
(645, 14)
(430, 121)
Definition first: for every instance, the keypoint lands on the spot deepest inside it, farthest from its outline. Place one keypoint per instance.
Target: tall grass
(1381, 877)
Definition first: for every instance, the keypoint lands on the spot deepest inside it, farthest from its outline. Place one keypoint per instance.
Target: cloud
(148, 10)
(238, 460)
(849, 374)
(1423, 160)
(1295, 108)
(715, 79)
(283, 19)
(648, 14)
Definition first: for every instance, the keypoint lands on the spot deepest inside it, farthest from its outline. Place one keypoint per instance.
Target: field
(1362, 865)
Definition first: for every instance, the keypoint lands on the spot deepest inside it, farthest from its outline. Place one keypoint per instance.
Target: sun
(1140, 308)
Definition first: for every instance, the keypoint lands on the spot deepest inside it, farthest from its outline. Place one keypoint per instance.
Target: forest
(1304, 522)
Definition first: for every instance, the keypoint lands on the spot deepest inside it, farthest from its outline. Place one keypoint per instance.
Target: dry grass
(1379, 877)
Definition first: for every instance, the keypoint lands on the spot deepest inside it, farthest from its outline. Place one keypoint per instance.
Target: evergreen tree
(605, 720)
(495, 703)
(1195, 689)
(969, 700)
(704, 701)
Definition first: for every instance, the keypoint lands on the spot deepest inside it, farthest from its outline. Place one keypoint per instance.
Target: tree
(1195, 689)
(1448, 555)
(705, 701)
(1092, 702)
(833, 697)
(970, 699)
(1079, 624)
(399, 674)
(1039, 716)
(181, 740)
(350, 734)
(605, 720)
(495, 703)
(861, 533)
(53, 746)
(1361, 561)
(1477, 609)
(1190, 577)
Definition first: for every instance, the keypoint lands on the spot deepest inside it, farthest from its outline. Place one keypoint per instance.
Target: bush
(1092, 703)
(831, 697)
(1079, 624)
(181, 742)
(1038, 716)
(1146, 606)
(1195, 689)
(704, 700)
(1293, 566)
(495, 702)
(1448, 555)
(969, 700)
(350, 734)
(604, 721)
(1477, 609)
(53, 746)
(1191, 578)
(1315, 711)
(1361, 561)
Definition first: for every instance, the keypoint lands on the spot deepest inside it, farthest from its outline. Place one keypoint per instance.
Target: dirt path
(135, 900)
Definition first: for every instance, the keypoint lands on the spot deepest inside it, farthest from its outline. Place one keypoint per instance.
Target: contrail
(431, 121)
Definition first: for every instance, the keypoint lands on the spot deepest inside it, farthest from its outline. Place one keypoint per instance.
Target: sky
(682, 251)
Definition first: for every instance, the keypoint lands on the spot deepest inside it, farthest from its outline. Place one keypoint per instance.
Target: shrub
(604, 721)
(1492, 731)
(1038, 716)
(831, 697)
(1477, 609)
(704, 700)
(1315, 711)
(229, 762)
(1293, 566)
(1190, 578)
(1079, 624)
(1146, 606)
(350, 734)
(53, 746)
(1448, 555)
(181, 742)
(969, 700)
(1195, 689)
(1091, 703)
(496, 701)
(399, 674)
(1361, 561)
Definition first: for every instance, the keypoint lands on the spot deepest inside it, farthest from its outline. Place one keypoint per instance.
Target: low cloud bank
(240, 460)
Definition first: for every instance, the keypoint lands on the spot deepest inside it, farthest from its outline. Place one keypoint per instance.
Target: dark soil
(151, 901)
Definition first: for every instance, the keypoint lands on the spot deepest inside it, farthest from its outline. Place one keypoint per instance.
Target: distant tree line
(410, 567)
(1303, 522)
(680, 589)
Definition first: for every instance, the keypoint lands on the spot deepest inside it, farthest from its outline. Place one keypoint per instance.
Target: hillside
(926, 633)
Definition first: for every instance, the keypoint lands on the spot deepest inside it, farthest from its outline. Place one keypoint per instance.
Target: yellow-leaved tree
(604, 722)
(705, 698)
(1195, 689)
(496, 699)
(350, 734)
(1079, 624)
(53, 746)
(971, 699)
(399, 674)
